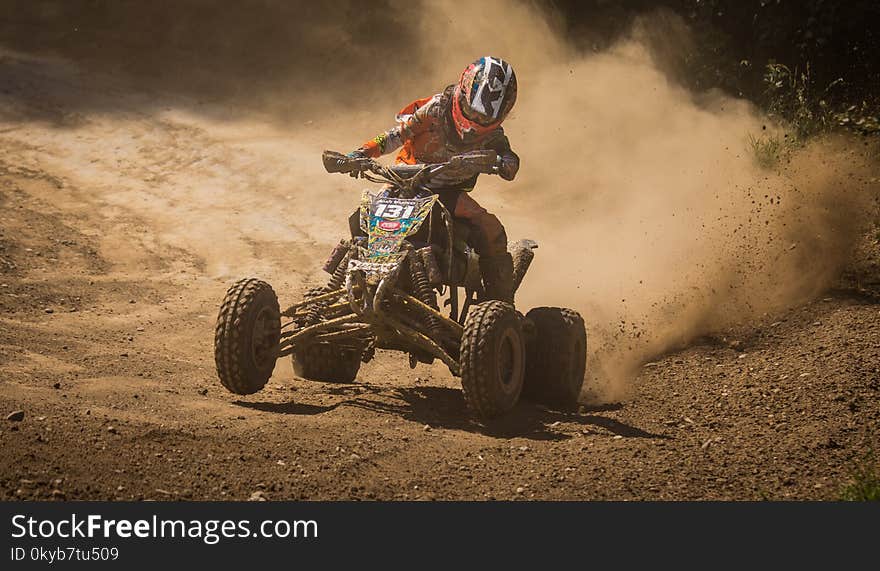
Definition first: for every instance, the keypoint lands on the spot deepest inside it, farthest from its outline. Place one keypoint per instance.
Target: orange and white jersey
(425, 134)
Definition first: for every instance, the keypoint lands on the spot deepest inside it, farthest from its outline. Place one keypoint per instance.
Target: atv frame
(384, 293)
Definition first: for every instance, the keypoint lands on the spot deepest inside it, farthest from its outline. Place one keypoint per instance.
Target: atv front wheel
(556, 357)
(326, 362)
(247, 335)
(492, 358)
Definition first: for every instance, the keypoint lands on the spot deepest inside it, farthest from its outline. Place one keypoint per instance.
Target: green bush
(768, 150)
(791, 100)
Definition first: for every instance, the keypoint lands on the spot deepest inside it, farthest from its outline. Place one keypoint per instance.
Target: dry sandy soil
(113, 219)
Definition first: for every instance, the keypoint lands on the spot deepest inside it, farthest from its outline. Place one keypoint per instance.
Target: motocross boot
(497, 273)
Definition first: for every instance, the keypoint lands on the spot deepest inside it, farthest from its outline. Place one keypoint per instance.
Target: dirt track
(112, 224)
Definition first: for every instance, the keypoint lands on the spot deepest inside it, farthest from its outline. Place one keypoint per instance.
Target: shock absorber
(338, 275)
(339, 251)
(422, 290)
(313, 312)
(429, 262)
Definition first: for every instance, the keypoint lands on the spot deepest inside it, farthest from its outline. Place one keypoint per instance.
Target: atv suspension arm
(454, 326)
(422, 341)
(330, 296)
(288, 338)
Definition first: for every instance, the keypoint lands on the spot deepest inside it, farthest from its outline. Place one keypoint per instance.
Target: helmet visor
(467, 126)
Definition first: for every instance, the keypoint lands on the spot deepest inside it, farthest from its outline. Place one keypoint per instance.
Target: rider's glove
(508, 165)
(356, 154)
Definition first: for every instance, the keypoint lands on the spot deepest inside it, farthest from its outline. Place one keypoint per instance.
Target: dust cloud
(652, 217)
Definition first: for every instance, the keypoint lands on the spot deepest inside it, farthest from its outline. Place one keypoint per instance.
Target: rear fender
(522, 252)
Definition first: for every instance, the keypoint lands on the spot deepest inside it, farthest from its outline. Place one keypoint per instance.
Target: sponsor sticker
(389, 225)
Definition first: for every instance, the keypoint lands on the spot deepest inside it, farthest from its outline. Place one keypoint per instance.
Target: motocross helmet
(483, 97)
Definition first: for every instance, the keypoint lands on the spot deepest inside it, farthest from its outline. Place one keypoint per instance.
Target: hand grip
(484, 161)
(336, 162)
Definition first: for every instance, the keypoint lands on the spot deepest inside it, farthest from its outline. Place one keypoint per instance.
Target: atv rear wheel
(246, 337)
(556, 357)
(326, 362)
(492, 358)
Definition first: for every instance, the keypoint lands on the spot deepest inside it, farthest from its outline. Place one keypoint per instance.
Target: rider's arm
(508, 161)
(412, 120)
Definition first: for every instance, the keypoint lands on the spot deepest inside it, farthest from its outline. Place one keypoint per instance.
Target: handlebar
(413, 177)
(337, 162)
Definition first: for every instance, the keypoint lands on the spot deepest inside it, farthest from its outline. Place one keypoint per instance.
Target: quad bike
(384, 293)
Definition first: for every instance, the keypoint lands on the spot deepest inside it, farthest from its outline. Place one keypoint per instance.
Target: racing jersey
(425, 134)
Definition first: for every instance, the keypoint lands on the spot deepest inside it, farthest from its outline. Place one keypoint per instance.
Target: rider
(465, 116)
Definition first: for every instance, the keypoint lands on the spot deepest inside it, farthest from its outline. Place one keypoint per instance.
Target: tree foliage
(813, 62)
